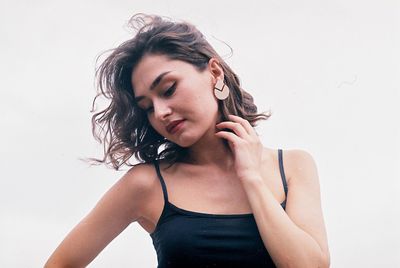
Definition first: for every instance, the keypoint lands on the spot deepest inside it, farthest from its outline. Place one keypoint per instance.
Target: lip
(174, 126)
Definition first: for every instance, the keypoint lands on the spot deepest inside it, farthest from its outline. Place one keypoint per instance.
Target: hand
(245, 145)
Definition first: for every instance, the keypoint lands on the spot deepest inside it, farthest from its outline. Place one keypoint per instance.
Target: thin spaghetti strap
(282, 171)
(163, 186)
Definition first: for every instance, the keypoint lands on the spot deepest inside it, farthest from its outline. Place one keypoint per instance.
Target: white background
(328, 71)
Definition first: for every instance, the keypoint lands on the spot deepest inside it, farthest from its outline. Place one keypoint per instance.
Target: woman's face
(173, 91)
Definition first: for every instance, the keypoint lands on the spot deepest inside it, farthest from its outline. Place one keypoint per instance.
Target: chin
(185, 141)
(184, 144)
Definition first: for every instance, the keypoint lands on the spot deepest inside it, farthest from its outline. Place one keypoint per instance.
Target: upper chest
(209, 187)
(207, 190)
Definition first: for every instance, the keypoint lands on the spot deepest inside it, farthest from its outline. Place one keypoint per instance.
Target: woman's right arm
(121, 205)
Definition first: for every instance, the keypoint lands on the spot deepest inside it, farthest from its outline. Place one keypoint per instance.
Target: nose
(161, 110)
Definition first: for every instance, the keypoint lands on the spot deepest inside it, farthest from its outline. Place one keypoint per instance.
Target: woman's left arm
(296, 236)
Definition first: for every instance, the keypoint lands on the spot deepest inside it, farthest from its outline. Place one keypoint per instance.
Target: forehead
(151, 66)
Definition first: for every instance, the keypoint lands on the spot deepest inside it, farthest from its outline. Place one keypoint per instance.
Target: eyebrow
(153, 85)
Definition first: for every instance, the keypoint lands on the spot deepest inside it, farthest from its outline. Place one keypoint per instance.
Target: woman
(206, 190)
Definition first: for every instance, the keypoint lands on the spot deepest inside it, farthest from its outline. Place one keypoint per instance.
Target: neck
(211, 151)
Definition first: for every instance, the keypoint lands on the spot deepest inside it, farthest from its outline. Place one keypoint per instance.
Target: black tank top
(185, 238)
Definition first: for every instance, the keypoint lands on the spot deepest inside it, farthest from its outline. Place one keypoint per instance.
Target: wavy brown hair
(123, 127)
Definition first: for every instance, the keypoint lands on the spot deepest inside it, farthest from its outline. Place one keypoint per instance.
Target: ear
(215, 69)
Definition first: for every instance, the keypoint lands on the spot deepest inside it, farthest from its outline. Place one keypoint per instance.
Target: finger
(246, 124)
(234, 139)
(236, 127)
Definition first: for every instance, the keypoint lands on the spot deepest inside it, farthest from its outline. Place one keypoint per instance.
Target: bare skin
(187, 184)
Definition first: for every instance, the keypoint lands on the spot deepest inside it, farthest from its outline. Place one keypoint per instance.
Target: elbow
(325, 260)
(321, 260)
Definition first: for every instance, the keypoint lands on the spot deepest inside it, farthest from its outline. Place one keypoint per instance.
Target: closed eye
(148, 110)
(171, 90)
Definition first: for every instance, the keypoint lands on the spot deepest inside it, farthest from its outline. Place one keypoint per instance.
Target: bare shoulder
(295, 161)
(138, 183)
(300, 164)
(140, 177)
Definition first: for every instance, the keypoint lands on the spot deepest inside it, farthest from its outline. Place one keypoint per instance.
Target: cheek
(205, 98)
(207, 109)
(210, 103)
